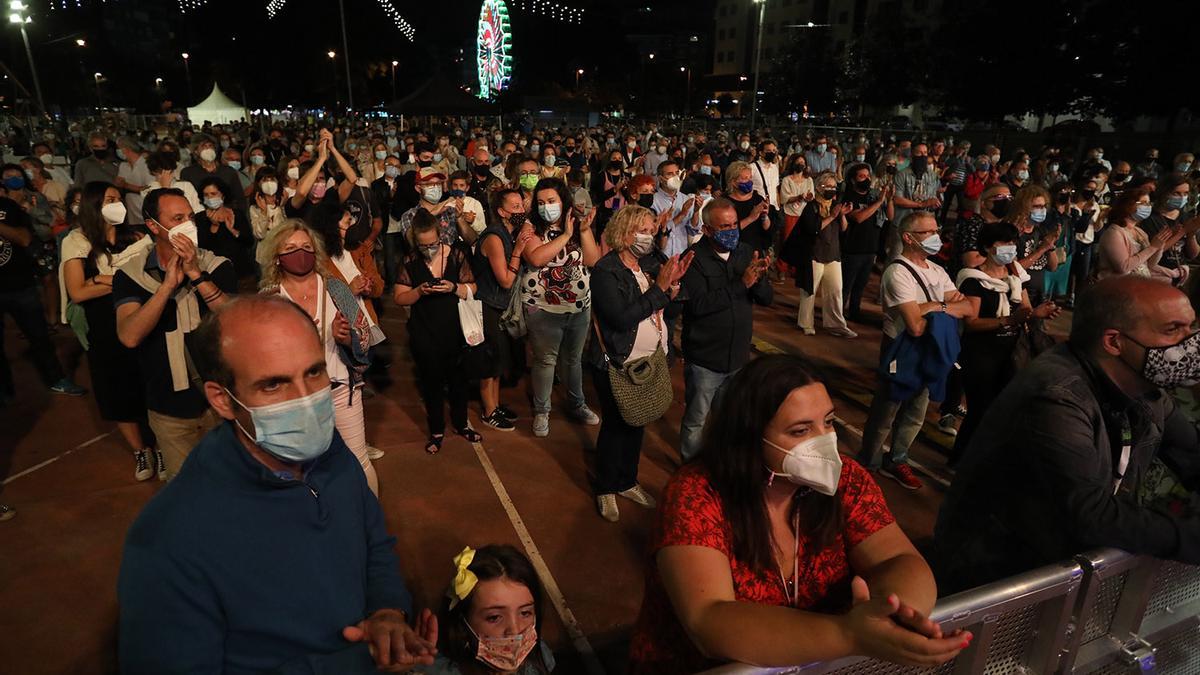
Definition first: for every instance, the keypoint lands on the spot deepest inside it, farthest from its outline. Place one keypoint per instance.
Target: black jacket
(1035, 484)
(619, 305)
(718, 317)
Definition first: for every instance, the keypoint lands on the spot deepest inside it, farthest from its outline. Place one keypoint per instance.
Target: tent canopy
(440, 96)
(217, 108)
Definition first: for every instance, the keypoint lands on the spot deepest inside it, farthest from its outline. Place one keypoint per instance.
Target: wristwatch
(943, 305)
(204, 276)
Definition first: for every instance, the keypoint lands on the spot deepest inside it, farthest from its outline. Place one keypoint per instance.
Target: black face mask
(768, 157)
(517, 219)
(919, 164)
(829, 194)
(616, 165)
(1063, 198)
(1119, 176)
(482, 169)
(1000, 207)
(1087, 194)
(100, 154)
(798, 169)
(890, 170)
(424, 164)
(645, 200)
(862, 185)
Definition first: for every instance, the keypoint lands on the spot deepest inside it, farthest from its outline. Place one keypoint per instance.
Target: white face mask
(293, 172)
(47, 159)
(550, 212)
(674, 183)
(814, 463)
(208, 154)
(269, 188)
(113, 213)
(187, 230)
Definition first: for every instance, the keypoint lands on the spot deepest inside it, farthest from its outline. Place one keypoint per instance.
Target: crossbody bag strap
(766, 188)
(925, 289)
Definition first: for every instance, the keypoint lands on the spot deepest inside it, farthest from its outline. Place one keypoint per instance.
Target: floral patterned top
(561, 286)
(691, 515)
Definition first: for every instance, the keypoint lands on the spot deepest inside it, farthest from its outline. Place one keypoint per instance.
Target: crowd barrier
(1106, 612)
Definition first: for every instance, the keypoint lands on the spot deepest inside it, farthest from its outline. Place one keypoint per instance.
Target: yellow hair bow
(464, 579)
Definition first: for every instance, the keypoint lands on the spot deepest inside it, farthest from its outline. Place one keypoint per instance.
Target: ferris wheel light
(493, 46)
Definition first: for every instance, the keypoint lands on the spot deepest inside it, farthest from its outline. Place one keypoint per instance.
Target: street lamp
(687, 93)
(81, 42)
(18, 16)
(158, 83)
(333, 63)
(187, 69)
(578, 74)
(762, 10)
(99, 98)
(394, 64)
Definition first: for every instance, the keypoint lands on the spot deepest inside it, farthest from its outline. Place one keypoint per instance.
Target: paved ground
(59, 558)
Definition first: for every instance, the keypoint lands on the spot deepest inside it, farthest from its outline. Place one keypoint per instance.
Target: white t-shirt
(137, 174)
(472, 205)
(898, 287)
(651, 333)
(766, 181)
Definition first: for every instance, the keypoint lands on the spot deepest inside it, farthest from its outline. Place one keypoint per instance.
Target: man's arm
(21, 236)
(136, 319)
(385, 584)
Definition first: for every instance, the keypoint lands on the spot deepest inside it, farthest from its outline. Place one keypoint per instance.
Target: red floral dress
(691, 515)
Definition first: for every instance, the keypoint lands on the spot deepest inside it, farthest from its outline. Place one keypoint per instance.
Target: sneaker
(497, 421)
(903, 474)
(141, 467)
(160, 465)
(8, 513)
(959, 412)
(374, 453)
(948, 424)
(843, 333)
(506, 412)
(810, 331)
(67, 388)
(541, 425)
(608, 507)
(584, 415)
(638, 495)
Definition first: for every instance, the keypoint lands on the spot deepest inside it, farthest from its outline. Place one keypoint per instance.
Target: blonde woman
(814, 249)
(1029, 210)
(750, 206)
(293, 262)
(629, 291)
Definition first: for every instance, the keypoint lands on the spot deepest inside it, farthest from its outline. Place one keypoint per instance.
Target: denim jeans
(557, 338)
(856, 272)
(903, 419)
(701, 388)
(25, 308)
(393, 257)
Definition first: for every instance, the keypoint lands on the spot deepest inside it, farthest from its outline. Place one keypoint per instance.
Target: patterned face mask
(1175, 365)
(505, 653)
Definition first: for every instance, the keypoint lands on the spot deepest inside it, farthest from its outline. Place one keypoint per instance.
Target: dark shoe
(497, 421)
(67, 388)
(160, 465)
(7, 512)
(141, 465)
(434, 445)
(470, 434)
(903, 474)
(506, 412)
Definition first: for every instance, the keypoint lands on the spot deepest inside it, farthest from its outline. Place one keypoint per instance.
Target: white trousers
(827, 282)
(348, 418)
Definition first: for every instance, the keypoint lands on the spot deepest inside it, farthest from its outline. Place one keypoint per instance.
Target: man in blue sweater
(268, 552)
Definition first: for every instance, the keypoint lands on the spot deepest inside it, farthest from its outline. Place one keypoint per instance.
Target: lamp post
(578, 74)
(687, 93)
(17, 15)
(99, 97)
(346, 54)
(333, 64)
(762, 10)
(394, 64)
(187, 70)
(158, 83)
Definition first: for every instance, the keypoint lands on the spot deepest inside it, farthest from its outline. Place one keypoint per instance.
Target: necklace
(790, 590)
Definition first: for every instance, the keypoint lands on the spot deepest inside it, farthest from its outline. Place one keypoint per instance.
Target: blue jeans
(557, 339)
(701, 387)
(25, 308)
(903, 419)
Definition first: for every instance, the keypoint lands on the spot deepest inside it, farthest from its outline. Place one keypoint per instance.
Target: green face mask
(529, 181)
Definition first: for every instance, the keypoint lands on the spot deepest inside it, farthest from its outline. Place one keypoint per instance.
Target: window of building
(721, 34)
(729, 56)
(722, 11)
(732, 33)
(720, 57)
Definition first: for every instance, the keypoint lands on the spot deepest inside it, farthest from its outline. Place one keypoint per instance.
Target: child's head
(493, 609)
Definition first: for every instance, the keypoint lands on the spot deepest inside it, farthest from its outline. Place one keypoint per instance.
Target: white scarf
(1008, 287)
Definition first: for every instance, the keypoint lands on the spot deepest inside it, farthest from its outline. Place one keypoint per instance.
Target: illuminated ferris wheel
(493, 49)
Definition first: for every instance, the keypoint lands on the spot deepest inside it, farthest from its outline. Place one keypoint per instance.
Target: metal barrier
(1107, 613)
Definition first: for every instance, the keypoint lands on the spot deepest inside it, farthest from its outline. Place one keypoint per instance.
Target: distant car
(901, 122)
(938, 124)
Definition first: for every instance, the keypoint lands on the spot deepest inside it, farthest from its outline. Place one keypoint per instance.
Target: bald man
(268, 551)
(1056, 465)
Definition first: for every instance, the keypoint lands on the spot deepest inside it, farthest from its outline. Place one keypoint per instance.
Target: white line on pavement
(590, 661)
(52, 460)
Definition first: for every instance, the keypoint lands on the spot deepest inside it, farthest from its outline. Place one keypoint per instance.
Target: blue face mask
(1176, 202)
(236, 165)
(727, 239)
(456, 193)
(121, 154)
(299, 430)
(14, 183)
(257, 160)
(213, 203)
(391, 171)
(1142, 212)
(1183, 167)
(746, 186)
(1037, 215)
(380, 155)
(932, 244)
(706, 169)
(1005, 254)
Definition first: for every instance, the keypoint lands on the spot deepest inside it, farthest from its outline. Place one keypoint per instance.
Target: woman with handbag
(432, 280)
(629, 291)
(1002, 315)
(556, 296)
(295, 265)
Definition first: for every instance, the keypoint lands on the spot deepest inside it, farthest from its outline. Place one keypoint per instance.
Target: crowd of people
(227, 283)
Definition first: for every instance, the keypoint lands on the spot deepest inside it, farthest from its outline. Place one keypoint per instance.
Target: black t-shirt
(753, 234)
(1175, 257)
(16, 267)
(152, 357)
(861, 238)
(989, 306)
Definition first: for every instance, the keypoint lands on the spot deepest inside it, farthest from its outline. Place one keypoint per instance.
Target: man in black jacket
(725, 277)
(1057, 465)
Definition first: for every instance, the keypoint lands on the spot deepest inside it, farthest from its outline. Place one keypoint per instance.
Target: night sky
(272, 63)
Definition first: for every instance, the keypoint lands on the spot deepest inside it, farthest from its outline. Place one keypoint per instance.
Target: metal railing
(1105, 612)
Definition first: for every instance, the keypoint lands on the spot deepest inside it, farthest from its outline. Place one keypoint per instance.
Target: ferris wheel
(493, 44)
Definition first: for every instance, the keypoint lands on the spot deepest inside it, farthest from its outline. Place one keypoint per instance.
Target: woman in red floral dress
(770, 550)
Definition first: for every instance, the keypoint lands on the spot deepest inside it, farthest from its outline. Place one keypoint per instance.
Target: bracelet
(512, 269)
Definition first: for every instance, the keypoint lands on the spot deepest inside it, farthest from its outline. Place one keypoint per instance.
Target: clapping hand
(673, 270)
(754, 270)
(1047, 310)
(395, 647)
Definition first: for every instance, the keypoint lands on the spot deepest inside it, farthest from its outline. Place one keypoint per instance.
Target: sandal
(470, 434)
(434, 445)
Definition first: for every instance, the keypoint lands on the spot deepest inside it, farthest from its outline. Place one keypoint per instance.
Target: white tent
(217, 108)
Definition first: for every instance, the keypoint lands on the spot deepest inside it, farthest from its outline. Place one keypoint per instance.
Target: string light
(186, 6)
(274, 7)
(552, 10)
